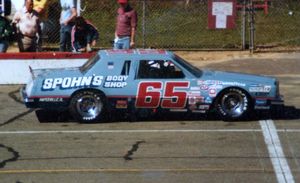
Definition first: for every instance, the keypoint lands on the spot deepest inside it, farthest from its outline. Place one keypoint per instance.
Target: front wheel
(87, 106)
(233, 104)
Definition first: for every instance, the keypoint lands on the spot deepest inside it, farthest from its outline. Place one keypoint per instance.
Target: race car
(144, 81)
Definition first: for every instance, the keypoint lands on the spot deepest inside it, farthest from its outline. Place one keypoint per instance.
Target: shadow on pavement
(289, 113)
(285, 113)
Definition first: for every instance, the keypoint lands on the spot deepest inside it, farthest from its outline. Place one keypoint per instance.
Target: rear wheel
(87, 106)
(233, 104)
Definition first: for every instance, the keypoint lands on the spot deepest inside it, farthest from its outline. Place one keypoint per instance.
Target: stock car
(142, 81)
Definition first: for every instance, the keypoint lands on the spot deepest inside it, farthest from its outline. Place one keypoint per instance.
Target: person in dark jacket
(6, 31)
(84, 35)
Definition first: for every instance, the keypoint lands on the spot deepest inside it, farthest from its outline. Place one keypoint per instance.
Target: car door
(160, 84)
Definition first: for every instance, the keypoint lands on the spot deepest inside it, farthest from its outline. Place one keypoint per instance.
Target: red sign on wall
(221, 14)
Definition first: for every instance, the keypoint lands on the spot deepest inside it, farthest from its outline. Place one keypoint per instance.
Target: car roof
(135, 52)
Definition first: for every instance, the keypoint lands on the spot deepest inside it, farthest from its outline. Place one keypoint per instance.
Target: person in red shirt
(126, 26)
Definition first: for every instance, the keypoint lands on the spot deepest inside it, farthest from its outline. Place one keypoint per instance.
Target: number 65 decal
(151, 95)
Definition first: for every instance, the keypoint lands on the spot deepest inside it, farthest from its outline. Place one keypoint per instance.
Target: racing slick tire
(88, 106)
(233, 104)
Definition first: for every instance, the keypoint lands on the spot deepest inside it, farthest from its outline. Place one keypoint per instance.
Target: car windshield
(88, 64)
(192, 69)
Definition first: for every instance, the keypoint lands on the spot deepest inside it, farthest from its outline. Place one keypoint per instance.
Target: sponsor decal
(204, 87)
(217, 87)
(212, 92)
(51, 100)
(194, 93)
(71, 82)
(208, 100)
(194, 97)
(218, 83)
(209, 82)
(115, 81)
(260, 89)
(260, 102)
(207, 87)
(195, 88)
(261, 94)
(262, 107)
(203, 107)
(233, 84)
(121, 104)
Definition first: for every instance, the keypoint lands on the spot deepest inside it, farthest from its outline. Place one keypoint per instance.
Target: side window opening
(172, 70)
(164, 69)
(126, 67)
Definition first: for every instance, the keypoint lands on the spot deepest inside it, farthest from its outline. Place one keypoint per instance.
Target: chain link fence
(183, 24)
(279, 29)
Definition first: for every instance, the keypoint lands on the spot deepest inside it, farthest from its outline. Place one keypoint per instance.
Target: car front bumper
(268, 103)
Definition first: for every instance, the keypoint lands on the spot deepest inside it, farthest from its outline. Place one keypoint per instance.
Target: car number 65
(152, 95)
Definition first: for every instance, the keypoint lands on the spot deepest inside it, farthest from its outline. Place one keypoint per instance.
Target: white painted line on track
(142, 131)
(128, 131)
(279, 162)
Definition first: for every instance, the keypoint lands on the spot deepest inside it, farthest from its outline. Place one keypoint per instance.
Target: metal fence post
(252, 27)
(244, 25)
(78, 6)
(144, 24)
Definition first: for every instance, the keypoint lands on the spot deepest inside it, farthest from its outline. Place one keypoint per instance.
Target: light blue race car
(142, 82)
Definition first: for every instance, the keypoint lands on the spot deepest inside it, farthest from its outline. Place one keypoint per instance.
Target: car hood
(238, 77)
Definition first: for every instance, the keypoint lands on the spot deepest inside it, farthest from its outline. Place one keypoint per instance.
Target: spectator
(28, 27)
(67, 16)
(84, 35)
(5, 32)
(126, 26)
(41, 7)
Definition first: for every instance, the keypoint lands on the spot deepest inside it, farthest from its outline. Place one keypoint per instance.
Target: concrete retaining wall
(14, 67)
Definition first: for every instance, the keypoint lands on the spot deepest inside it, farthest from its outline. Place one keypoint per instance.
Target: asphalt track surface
(182, 150)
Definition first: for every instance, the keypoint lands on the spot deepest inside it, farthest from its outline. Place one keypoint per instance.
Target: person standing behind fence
(84, 35)
(28, 27)
(41, 7)
(67, 17)
(126, 26)
(5, 32)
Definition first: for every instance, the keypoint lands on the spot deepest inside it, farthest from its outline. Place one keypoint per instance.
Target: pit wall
(14, 67)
